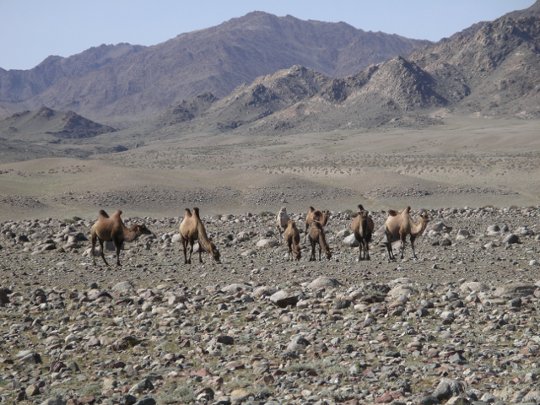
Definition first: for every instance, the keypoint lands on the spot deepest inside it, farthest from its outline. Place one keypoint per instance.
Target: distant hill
(125, 81)
(491, 68)
(48, 123)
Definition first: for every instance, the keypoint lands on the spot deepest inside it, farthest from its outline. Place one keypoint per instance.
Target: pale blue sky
(31, 30)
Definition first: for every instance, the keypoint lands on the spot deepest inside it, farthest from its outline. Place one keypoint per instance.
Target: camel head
(424, 217)
(142, 230)
(215, 252)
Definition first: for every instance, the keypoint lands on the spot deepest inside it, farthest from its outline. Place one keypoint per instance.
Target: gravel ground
(459, 325)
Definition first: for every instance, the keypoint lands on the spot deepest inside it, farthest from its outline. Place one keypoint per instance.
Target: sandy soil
(466, 162)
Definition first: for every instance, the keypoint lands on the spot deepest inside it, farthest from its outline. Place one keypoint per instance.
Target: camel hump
(311, 209)
(360, 207)
(196, 212)
(187, 212)
(117, 213)
(407, 210)
(392, 213)
(103, 214)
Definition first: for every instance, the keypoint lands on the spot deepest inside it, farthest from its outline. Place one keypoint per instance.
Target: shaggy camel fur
(362, 226)
(292, 237)
(282, 220)
(398, 225)
(111, 228)
(316, 215)
(192, 229)
(317, 236)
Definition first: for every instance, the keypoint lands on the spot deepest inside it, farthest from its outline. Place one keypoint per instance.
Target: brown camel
(398, 225)
(292, 237)
(282, 220)
(362, 226)
(317, 236)
(316, 215)
(192, 229)
(111, 228)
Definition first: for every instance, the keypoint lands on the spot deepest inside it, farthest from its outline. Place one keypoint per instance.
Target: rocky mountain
(48, 123)
(125, 80)
(491, 68)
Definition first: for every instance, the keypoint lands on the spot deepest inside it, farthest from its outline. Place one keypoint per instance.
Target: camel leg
(312, 257)
(402, 246)
(118, 246)
(190, 250)
(320, 250)
(94, 238)
(389, 247)
(366, 250)
(102, 251)
(200, 252)
(412, 247)
(184, 245)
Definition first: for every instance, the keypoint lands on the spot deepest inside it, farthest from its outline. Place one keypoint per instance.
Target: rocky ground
(458, 326)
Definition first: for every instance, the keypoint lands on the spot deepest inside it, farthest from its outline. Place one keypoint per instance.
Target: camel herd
(397, 227)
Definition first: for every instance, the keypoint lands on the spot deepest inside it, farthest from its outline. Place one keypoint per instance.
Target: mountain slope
(490, 68)
(123, 80)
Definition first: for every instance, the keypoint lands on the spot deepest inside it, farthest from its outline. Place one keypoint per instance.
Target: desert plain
(457, 325)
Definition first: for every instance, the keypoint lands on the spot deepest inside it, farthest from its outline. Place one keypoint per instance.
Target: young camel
(398, 225)
(282, 220)
(317, 236)
(111, 228)
(192, 229)
(292, 237)
(362, 226)
(316, 215)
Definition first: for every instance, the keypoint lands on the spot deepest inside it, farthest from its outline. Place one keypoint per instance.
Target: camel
(292, 237)
(362, 226)
(192, 229)
(316, 215)
(317, 236)
(111, 228)
(398, 225)
(282, 221)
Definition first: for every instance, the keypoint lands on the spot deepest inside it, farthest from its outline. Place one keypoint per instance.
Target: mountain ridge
(128, 80)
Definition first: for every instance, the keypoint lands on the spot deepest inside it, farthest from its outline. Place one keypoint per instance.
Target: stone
(284, 298)
(4, 296)
(323, 282)
(448, 388)
(510, 239)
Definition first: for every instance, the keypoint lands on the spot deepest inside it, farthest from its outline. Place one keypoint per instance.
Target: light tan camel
(282, 220)
(316, 215)
(398, 225)
(111, 228)
(292, 237)
(362, 226)
(317, 236)
(192, 229)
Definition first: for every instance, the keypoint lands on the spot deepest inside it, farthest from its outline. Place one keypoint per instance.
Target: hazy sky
(31, 30)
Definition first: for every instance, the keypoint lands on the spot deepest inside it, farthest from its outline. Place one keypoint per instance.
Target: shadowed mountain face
(124, 80)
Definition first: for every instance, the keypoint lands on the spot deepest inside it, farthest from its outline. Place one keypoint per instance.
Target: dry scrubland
(459, 325)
